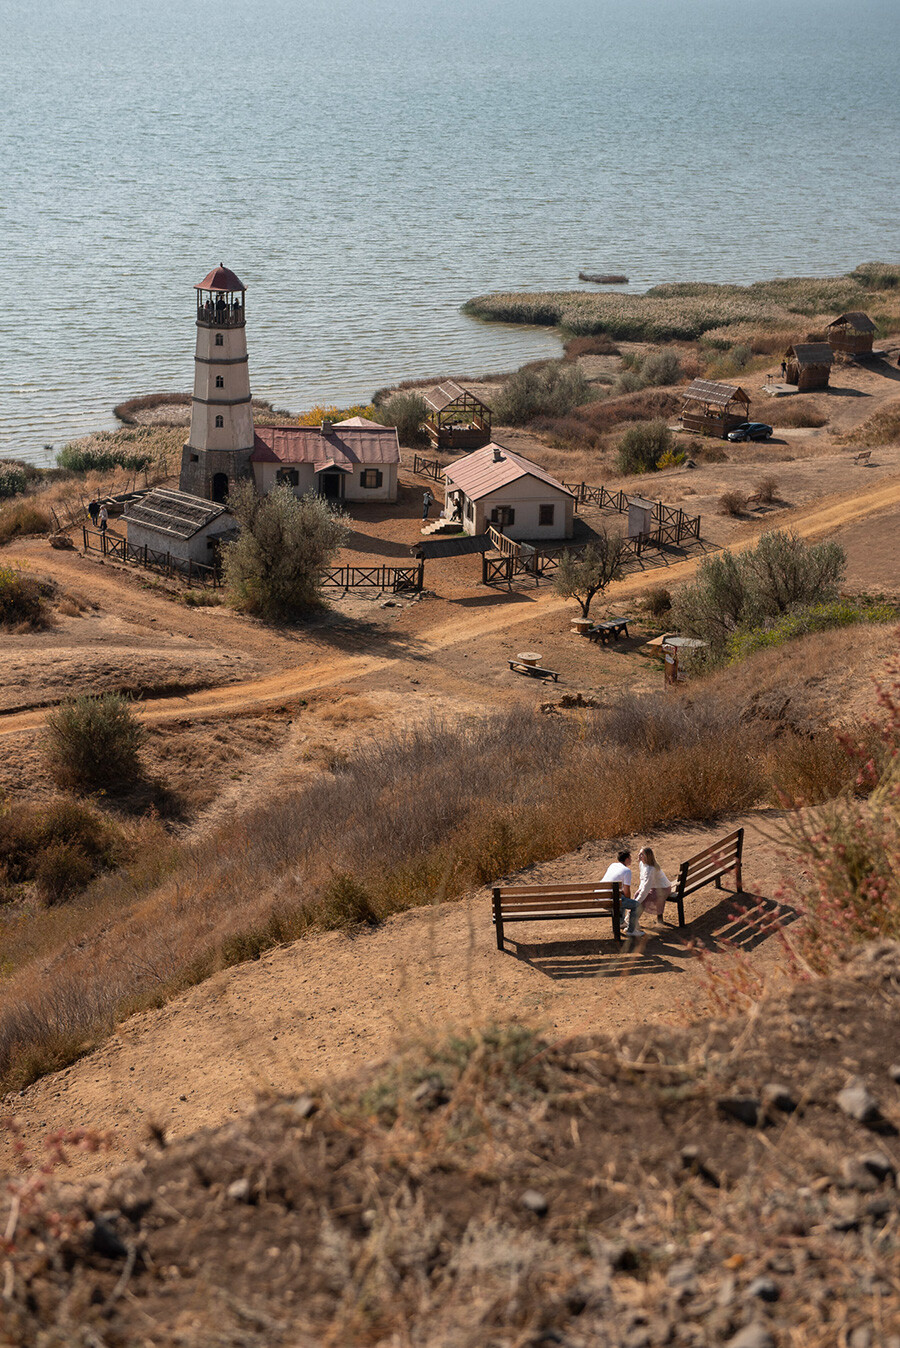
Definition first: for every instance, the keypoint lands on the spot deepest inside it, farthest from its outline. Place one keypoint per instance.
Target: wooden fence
(119, 549)
(672, 526)
(393, 578)
(428, 468)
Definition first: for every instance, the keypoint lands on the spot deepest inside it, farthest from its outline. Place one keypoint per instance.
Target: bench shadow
(740, 921)
(560, 960)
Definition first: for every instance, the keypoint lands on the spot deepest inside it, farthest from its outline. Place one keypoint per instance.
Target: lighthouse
(218, 450)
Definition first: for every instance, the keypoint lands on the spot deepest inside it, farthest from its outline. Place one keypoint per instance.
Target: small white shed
(175, 523)
(496, 486)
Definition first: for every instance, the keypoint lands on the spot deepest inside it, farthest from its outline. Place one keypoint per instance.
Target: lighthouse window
(220, 382)
(220, 340)
(220, 421)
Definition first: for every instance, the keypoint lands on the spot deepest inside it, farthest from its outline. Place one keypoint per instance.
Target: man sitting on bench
(621, 870)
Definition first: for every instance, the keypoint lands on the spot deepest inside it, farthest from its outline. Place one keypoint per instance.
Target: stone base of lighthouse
(213, 473)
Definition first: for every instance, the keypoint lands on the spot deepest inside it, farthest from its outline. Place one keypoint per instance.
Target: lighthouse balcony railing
(228, 316)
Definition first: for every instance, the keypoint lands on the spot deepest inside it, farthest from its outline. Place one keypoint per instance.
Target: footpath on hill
(332, 1002)
(236, 698)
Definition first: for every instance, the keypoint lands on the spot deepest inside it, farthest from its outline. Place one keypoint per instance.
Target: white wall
(194, 549)
(526, 496)
(266, 476)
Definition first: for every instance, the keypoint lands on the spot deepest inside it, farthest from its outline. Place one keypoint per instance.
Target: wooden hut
(713, 408)
(808, 365)
(456, 418)
(851, 333)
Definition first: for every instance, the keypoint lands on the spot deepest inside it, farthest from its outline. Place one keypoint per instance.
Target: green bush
(275, 566)
(92, 742)
(552, 391)
(20, 598)
(78, 459)
(406, 411)
(662, 368)
(642, 447)
(13, 482)
(801, 620)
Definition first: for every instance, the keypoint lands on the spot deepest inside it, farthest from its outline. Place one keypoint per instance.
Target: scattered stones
(879, 1165)
(894, 1072)
(303, 1106)
(753, 1336)
(766, 1289)
(744, 1108)
(239, 1190)
(775, 1096)
(692, 1162)
(858, 1102)
(535, 1202)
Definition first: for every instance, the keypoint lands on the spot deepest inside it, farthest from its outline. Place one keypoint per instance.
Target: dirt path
(331, 1002)
(811, 522)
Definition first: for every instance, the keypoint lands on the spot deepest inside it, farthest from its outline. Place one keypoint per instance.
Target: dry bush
(797, 412)
(601, 345)
(882, 428)
(733, 503)
(61, 845)
(767, 490)
(21, 602)
(706, 451)
(657, 601)
(92, 742)
(22, 518)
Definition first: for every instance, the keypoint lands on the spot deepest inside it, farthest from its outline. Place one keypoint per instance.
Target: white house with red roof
(352, 460)
(496, 486)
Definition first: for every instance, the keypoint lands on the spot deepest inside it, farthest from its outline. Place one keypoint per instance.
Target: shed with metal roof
(456, 419)
(714, 408)
(187, 528)
(851, 333)
(495, 486)
(808, 365)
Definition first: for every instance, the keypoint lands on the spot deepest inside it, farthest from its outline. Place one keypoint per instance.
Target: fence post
(420, 578)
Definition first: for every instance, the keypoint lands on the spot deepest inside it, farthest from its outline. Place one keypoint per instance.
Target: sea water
(365, 166)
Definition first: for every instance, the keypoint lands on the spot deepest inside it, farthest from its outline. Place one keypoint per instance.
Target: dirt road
(812, 522)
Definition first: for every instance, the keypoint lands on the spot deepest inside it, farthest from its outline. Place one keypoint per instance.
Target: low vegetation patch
(59, 847)
(21, 600)
(882, 428)
(601, 345)
(797, 412)
(23, 518)
(316, 415)
(155, 450)
(406, 411)
(733, 503)
(92, 743)
(643, 447)
(806, 618)
(554, 390)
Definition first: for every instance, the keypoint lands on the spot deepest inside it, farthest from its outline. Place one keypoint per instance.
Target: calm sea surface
(366, 166)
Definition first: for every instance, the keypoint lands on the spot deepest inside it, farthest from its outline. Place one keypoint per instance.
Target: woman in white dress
(653, 889)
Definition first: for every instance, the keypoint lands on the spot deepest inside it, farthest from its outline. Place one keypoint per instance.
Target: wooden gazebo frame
(808, 365)
(713, 408)
(851, 333)
(456, 418)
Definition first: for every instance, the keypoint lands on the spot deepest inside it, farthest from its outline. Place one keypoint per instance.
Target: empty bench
(609, 631)
(556, 903)
(864, 456)
(710, 864)
(520, 667)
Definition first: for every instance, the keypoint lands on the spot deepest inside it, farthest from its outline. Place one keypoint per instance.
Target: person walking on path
(783, 371)
(94, 511)
(620, 870)
(426, 503)
(103, 518)
(653, 888)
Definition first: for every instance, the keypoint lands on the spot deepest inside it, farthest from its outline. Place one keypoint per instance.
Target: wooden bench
(607, 631)
(710, 864)
(556, 903)
(520, 667)
(863, 456)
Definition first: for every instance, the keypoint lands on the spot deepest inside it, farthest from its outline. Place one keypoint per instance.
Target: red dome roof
(220, 278)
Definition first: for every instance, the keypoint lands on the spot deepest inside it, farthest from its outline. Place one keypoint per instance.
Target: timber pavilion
(713, 408)
(851, 333)
(808, 365)
(456, 419)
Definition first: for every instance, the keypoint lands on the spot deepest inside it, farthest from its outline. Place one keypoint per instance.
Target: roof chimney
(327, 428)
(498, 454)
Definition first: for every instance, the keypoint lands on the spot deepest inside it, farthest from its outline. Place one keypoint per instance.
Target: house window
(545, 514)
(220, 421)
(195, 458)
(289, 475)
(503, 515)
(371, 477)
(220, 340)
(220, 382)
(470, 510)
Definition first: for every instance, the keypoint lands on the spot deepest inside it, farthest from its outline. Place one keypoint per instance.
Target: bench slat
(711, 868)
(730, 839)
(586, 888)
(603, 907)
(555, 903)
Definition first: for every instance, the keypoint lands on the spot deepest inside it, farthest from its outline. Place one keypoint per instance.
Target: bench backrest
(713, 861)
(556, 898)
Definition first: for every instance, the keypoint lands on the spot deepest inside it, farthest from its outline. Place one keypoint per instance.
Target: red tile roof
(344, 447)
(480, 473)
(220, 278)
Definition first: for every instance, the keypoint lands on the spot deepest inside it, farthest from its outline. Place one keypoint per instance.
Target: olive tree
(582, 575)
(274, 567)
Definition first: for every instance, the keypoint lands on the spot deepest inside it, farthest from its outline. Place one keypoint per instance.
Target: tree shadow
(379, 547)
(494, 598)
(362, 636)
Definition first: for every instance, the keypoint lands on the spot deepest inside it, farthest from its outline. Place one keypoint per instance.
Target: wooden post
(616, 911)
(679, 891)
(498, 918)
(420, 578)
(740, 853)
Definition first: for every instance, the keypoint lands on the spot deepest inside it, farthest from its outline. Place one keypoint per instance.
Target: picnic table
(610, 630)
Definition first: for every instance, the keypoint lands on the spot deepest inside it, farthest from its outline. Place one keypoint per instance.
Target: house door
(331, 486)
(219, 486)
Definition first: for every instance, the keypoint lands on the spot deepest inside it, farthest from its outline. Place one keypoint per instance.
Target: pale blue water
(367, 165)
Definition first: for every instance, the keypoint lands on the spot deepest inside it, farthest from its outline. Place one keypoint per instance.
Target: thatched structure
(851, 333)
(713, 408)
(456, 418)
(808, 365)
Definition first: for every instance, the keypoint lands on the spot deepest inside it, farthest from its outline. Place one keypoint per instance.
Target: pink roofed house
(496, 486)
(352, 460)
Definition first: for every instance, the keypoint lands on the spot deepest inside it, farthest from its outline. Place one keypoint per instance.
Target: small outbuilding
(175, 524)
(496, 487)
(851, 333)
(713, 408)
(808, 365)
(352, 460)
(456, 418)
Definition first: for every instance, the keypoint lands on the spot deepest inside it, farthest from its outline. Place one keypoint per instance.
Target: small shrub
(767, 490)
(93, 742)
(16, 521)
(673, 458)
(630, 381)
(657, 601)
(406, 411)
(707, 451)
(20, 599)
(664, 367)
(733, 503)
(642, 447)
(62, 870)
(13, 482)
(345, 903)
(29, 833)
(551, 391)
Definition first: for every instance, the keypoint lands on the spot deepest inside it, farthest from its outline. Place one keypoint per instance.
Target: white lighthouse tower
(221, 439)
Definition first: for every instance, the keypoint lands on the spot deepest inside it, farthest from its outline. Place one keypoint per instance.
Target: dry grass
(798, 411)
(22, 518)
(882, 428)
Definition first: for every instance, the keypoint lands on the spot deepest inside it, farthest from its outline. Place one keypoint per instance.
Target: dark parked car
(751, 430)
